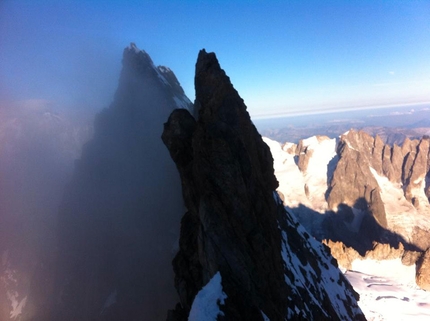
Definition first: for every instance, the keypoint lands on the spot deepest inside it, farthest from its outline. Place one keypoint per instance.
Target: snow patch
(17, 306)
(207, 301)
(161, 77)
(265, 318)
(133, 47)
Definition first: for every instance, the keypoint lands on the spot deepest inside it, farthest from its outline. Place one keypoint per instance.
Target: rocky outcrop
(410, 257)
(345, 257)
(343, 254)
(120, 213)
(423, 271)
(384, 251)
(421, 237)
(236, 231)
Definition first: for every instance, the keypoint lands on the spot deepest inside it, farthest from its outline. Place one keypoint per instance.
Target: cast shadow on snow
(355, 226)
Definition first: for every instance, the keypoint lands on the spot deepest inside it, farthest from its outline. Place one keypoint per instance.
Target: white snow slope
(388, 291)
(292, 181)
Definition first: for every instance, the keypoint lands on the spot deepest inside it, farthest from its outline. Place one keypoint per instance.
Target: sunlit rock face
(423, 271)
(118, 222)
(352, 180)
(236, 229)
(368, 191)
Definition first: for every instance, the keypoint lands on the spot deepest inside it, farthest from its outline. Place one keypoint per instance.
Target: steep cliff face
(236, 237)
(120, 213)
(373, 191)
(353, 183)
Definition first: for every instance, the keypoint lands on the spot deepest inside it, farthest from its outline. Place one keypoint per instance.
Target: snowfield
(388, 291)
(292, 181)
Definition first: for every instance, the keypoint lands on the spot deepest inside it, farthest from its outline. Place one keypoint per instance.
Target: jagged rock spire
(236, 225)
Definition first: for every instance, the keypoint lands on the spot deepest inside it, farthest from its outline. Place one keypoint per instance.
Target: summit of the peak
(133, 47)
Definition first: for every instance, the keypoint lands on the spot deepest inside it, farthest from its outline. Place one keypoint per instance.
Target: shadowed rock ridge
(236, 224)
(120, 214)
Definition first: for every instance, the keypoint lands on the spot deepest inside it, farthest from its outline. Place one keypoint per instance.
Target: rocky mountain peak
(236, 230)
(140, 72)
(119, 219)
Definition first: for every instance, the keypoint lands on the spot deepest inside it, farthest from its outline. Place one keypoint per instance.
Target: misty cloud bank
(80, 235)
(37, 150)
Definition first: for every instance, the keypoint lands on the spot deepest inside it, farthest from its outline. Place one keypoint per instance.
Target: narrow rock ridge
(236, 224)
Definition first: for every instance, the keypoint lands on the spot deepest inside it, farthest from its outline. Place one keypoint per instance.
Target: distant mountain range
(358, 190)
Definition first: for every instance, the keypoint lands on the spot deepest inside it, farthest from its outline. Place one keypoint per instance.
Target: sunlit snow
(388, 290)
(292, 181)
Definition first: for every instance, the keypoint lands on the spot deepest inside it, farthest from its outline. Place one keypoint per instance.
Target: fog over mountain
(124, 171)
(119, 219)
(38, 145)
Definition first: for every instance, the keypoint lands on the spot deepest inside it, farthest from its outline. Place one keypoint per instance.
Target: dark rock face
(118, 221)
(236, 224)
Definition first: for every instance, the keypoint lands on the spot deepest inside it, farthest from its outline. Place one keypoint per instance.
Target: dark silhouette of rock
(119, 218)
(235, 224)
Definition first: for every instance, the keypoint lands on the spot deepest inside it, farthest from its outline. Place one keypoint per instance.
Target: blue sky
(282, 56)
